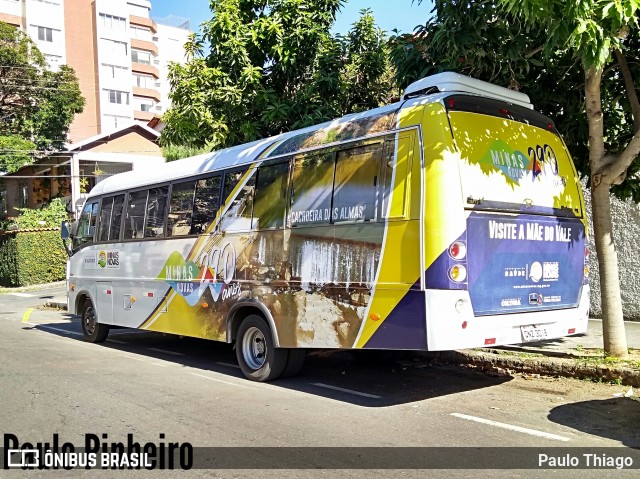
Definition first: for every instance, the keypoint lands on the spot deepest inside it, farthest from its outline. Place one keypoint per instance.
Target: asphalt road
(161, 388)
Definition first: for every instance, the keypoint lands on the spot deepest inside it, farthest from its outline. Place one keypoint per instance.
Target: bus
(451, 219)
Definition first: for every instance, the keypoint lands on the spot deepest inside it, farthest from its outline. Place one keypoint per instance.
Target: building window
(146, 105)
(53, 61)
(142, 80)
(3, 201)
(138, 10)
(118, 97)
(115, 121)
(23, 194)
(114, 71)
(113, 22)
(141, 33)
(45, 34)
(139, 56)
(114, 46)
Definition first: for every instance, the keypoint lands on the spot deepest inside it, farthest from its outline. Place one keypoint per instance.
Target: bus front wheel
(257, 356)
(93, 331)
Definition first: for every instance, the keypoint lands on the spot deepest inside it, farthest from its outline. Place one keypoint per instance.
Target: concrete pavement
(580, 356)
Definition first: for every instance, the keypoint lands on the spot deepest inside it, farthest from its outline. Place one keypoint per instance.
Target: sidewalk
(579, 356)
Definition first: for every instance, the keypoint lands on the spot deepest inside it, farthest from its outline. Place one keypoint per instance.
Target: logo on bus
(109, 259)
(214, 270)
(516, 165)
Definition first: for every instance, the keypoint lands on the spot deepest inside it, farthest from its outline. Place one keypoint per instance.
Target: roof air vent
(455, 82)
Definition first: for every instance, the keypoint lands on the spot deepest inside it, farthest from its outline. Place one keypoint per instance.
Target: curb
(571, 368)
(31, 287)
(56, 305)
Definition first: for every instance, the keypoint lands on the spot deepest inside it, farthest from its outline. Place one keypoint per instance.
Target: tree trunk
(615, 340)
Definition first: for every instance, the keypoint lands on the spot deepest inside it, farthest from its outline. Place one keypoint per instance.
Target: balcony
(143, 115)
(144, 68)
(144, 45)
(14, 20)
(143, 22)
(147, 93)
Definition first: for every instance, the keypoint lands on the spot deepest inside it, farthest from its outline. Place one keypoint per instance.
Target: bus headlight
(458, 273)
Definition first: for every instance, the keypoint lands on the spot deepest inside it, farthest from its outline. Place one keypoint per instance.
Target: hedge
(31, 257)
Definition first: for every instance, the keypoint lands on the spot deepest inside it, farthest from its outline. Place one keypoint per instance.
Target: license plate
(534, 333)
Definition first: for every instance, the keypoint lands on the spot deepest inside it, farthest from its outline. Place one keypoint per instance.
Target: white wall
(117, 54)
(48, 14)
(626, 233)
(170, 43)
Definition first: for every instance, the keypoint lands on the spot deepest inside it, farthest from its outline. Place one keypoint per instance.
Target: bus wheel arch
(240, 311)
(81, 297)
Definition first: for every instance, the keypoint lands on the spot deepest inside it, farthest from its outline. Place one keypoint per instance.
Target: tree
(272, 66)
(575, 60)
(36, 104)
(594, 32)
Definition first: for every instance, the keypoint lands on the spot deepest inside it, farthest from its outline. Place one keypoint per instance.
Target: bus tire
(93, 331)
(295, 362)
(257, 356)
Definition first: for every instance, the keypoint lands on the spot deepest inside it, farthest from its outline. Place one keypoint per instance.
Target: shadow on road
(378, 379)
(616, 418)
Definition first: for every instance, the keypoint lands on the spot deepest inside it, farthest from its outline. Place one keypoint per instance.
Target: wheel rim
(254, 348)
(89, 320)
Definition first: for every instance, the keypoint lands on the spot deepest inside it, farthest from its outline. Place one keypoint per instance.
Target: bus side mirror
(65, 232)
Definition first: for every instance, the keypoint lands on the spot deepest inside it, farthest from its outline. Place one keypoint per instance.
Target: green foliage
(272, 66)
(177, 152)
(15, 152)
(479, 39)
(31, 258)
(589, 29)
(35, 104)
(49, 216)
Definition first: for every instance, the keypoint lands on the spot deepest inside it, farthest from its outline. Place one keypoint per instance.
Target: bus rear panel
(517, 271)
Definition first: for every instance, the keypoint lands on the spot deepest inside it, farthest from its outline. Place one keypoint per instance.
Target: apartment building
(118, 51)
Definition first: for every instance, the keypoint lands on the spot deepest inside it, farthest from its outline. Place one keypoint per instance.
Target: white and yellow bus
(452, 219)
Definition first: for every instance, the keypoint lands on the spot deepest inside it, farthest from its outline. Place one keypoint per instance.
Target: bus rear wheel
(93, 331)
(257, 356)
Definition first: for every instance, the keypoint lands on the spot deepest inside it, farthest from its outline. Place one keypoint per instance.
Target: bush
(32, 257)
(49, 216)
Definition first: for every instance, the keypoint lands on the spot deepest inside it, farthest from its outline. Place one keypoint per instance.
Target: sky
(403, 15)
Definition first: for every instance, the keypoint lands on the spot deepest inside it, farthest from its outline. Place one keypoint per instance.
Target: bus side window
(86, 224)
(355, 195)
(270, 204)
(156, 207)
(116, 218)
(311, 188)
(105, 219)
(237, 216)
(134, 221)
(206, 204)
(181, 208)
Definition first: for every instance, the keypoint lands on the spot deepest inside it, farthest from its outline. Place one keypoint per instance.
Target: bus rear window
(514, 162)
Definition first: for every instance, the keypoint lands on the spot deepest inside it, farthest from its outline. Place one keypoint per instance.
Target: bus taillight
(458, 250)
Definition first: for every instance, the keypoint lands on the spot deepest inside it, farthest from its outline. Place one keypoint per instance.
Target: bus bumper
(451, 323)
